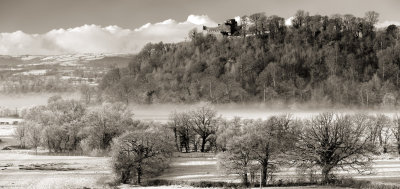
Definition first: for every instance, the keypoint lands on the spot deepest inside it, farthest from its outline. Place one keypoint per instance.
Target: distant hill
(56, 73)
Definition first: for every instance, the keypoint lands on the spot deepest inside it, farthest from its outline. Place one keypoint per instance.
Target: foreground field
(93, 172)
(189, 187)
(200, 167)
(82, 171)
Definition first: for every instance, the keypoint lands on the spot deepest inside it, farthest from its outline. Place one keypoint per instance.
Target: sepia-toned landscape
(199, 94)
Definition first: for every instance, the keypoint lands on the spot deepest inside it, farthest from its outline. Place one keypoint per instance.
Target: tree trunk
(139, 174)
(325, 173)
(195, 145)
(264, 92)
(273, 79)
(125, 176)
(203, 143)
(398, 148)
(245, 181)
(187, 147)
(176, 140)
(210, 90)
(264, 175)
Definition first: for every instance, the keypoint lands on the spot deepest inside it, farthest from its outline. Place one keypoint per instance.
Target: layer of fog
(162, 112)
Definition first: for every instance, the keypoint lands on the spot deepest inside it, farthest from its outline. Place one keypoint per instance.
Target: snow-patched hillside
(63, 60)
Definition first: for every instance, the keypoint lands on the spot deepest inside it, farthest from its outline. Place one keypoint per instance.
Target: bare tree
(106, 122)
(34, 132)
(377, 127)
(183, 130)
(227, 129)
(87, 93)
(204, 122)
(385, 132)
(141, 152)
(238, 157)
(269, 141)
(371, 17)
(396, 132)
(20, 133)
(330, 141)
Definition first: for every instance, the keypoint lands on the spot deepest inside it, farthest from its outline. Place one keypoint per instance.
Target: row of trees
(326, 142)
(198, 126)
(136, 148)
(140, 150)
(68, 125)
(316, 59)
(29, 83)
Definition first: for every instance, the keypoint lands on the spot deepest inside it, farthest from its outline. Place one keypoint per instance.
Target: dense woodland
(339, 59)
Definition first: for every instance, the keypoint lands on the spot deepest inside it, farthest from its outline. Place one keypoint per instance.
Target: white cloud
(238, 20)
(288, 22)
(386, 24)
(200, 20)
(98, 39)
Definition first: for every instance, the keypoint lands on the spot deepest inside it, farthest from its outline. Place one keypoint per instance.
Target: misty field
(84, 171)
(18, 101)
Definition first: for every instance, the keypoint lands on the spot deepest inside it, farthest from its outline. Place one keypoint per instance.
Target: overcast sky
(62, 23)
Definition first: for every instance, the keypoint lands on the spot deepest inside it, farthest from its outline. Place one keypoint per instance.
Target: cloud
(386, 24)
(288, 22)
(98, 39)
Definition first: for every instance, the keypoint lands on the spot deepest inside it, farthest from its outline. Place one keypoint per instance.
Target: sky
(124, 26)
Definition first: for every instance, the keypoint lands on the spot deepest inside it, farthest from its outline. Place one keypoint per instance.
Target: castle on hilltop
(229, 28)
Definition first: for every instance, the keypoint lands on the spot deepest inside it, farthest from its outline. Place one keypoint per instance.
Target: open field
(198, 167)
(93, 171)
(85, 171)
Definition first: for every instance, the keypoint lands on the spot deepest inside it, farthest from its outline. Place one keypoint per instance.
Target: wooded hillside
(339, 59)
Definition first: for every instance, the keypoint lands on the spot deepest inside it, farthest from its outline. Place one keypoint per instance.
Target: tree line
(326, 143)
(70, 126)
(316, 59)
(141, 150)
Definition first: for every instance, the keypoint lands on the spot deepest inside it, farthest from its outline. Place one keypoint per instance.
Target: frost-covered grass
(73, 172)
